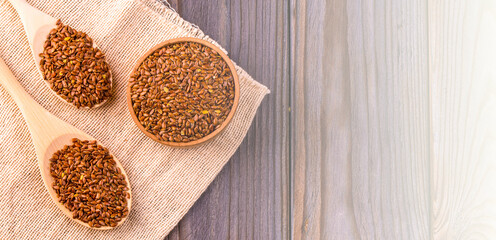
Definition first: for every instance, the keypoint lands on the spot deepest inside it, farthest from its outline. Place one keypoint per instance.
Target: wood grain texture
(462, 56)
(249, 199)
(360, 118)
(391, 131)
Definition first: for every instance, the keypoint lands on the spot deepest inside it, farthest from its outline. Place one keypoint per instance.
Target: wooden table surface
(249, 199)
(381, 122)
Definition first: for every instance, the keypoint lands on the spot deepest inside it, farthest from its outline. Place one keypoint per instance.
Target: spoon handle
(37, 118)
(32, 19)
(18, 4)
(16, 91)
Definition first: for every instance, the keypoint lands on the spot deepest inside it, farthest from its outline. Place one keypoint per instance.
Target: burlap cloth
(165, 181)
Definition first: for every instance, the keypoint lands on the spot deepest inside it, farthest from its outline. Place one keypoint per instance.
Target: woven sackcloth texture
(165, 181)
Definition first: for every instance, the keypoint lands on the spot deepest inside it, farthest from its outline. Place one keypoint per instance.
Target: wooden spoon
(38, 25)
(49, 134)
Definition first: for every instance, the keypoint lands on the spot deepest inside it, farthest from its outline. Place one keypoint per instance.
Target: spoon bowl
(49, 134)
(38, 25)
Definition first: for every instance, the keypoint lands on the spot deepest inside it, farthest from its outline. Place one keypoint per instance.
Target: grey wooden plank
(209, 217)
(174, 234)
(360, 119)
(250, 197)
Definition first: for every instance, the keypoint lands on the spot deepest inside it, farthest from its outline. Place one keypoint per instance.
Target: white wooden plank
(361, 120)
(462, 37)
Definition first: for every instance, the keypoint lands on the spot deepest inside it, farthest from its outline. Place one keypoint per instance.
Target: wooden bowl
(229, 116)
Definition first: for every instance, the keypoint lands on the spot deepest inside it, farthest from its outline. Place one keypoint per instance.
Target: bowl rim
(216, 131)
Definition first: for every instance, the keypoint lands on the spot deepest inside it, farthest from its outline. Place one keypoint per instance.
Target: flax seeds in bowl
(74, 69)
(183, 92)
(89, 183)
